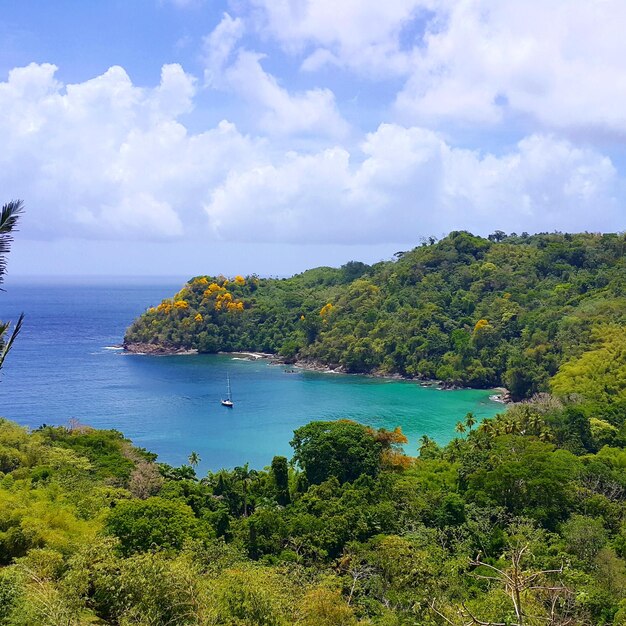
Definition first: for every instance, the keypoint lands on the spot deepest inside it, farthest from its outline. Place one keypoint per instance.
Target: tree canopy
(343, 449)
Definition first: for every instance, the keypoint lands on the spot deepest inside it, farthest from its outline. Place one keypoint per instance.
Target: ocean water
(64, 366)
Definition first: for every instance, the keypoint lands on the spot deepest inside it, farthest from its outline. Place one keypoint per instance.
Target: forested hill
(507, 310)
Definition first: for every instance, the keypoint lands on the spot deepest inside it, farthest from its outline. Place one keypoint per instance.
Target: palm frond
(9, 343)
(9, 215)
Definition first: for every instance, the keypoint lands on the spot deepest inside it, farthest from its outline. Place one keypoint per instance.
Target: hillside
(352, 533)
(507, 310)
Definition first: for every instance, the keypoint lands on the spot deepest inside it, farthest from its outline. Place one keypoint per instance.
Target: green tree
(584, 537)
(149, 588)
(427, 446)
(342, 449)
(280, 474)
(9, 215)
(250, 596)
(599, 374)
(194, 459)
(143, 525)
(245, 476)
(528, 478)
(324, 607)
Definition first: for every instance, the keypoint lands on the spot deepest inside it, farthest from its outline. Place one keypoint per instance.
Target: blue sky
(188, 136)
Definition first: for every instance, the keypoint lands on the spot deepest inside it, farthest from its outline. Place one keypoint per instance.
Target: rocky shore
(501, 394)
(155, 349)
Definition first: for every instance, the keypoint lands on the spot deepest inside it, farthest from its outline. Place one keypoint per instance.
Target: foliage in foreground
(9, 216)
(522, 521)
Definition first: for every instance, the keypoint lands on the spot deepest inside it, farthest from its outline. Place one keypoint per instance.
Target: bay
(64, 366)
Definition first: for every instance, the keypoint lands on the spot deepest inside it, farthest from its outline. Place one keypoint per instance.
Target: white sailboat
(229, 400)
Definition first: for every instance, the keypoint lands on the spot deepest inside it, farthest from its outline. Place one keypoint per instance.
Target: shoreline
(500, 394)
(151, 349)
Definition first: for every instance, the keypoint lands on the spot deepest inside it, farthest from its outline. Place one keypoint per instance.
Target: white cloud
(174, 95)
(311, 111)
(277, 111)
(219, 46)
(559, 62)
(363, 35)
(137, 213)
(410, 183)
(107, 159)
(294, 200)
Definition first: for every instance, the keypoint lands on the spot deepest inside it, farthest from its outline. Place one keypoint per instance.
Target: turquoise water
(63, 367)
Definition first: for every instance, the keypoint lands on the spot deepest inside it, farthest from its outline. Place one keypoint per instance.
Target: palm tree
(511, 427)
(535, 423)
(5, 346)
(487, 427)
(246, 476)
(456, 445)
(460, 427)
(470, 420)
(545, 435)
(8, 221)
(9, 215)
(194, 459)
(425, 443)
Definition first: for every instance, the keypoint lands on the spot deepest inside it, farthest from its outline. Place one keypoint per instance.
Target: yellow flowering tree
(480, 325)
(484, 333)
(212, 289)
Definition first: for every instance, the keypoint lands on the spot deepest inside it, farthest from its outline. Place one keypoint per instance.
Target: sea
(67, 365)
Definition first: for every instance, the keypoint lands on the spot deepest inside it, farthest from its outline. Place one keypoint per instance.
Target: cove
(63, 367)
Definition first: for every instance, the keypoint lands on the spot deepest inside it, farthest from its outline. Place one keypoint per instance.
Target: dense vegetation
(523, 521)
(507, 310)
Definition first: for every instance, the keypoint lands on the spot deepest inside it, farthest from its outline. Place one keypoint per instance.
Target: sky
(180, 137)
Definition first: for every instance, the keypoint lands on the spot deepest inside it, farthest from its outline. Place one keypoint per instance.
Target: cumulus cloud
(311, 111)
(362, 35)
(408, 182)
(219, 46)
(105, 158)
(108, 159)
(559, 62)
(281, 112)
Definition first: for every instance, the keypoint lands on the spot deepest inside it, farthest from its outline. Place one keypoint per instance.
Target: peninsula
(503, 311)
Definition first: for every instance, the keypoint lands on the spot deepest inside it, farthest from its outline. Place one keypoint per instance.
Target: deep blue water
(63, 367)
